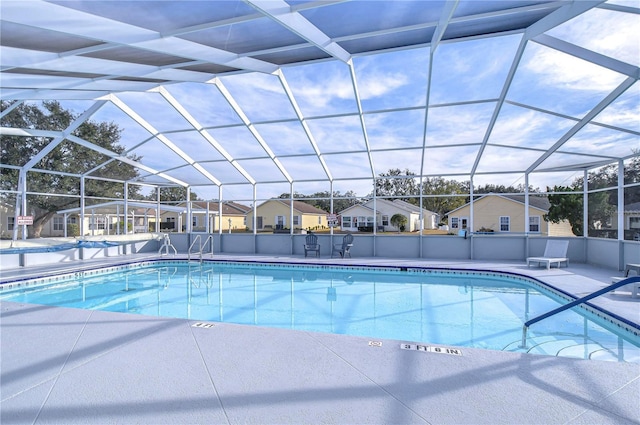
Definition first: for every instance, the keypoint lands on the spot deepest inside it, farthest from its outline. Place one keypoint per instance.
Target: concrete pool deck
(68, 366)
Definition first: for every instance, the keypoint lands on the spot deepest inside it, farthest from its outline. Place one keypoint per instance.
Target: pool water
(464, 309)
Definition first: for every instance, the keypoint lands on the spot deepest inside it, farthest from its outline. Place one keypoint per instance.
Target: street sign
(332, 220)
(25, 220)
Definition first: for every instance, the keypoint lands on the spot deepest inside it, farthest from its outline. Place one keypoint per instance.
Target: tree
(443, 204)
(68, 157)
(566, 207)
(399, 221)
(398, 184)
(173, 194)
(322, 199)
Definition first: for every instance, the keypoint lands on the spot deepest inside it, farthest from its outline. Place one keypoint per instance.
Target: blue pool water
(468, 309)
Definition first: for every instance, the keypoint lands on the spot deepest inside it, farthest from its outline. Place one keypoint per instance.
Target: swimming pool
(446, 307)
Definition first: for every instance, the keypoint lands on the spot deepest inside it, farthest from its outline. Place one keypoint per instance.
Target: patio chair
(344, 248)
(554, 252)
(634, 288)
(311, 245)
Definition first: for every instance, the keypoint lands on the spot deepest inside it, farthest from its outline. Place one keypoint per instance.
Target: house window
(170, 223)
(346, 221)
(280, 222)
(244, 220)
(296, 220)
(194, 223)
(96, 223)
(534, 224)
(10, 222)
(319, 219)
(385, 220)
(504, 224)
(370, 221)
(634, 223)
(58, 223)
(72, 220)
(454, 222)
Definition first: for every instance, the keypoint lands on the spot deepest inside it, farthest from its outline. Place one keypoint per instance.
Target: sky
(550, 92)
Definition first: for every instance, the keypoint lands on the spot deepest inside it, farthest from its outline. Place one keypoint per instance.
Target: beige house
(234, 216)
(7, 220)
(276, 214)
(505, 214)
(361, 216)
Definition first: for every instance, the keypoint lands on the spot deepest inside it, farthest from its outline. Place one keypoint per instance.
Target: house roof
(413, 208)
(535, 201)
(632, 208)
(228, 208)
(112, 207)
(299, 206)
(396, 203)
(540, 202)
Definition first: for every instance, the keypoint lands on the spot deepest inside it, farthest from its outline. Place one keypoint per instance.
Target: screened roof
(265, 97)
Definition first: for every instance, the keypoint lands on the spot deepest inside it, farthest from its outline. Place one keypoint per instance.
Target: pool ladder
(201, 247)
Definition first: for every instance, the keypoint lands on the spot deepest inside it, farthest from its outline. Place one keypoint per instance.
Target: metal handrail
(584, 299)
(196, 239)
(202, 245)
(166, 244)
(210, 237)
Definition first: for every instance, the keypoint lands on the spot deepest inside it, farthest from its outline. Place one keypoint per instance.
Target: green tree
(322, 199)
(398, 184)
(68, 158)
(173, 194)
(399, 221)
(566, 207)
(443, 204)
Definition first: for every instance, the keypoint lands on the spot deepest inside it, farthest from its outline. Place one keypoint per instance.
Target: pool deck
(68, 366)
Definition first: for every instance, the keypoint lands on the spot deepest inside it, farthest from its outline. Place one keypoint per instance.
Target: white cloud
(555, 68)
(608, 32)
(379, 84)
(322, 93)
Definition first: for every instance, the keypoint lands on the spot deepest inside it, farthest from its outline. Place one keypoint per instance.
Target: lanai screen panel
(263, 95)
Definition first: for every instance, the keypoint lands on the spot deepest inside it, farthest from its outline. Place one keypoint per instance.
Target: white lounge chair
(554, 253)
(634, 288)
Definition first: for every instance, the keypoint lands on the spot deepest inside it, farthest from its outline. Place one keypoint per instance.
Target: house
(234, 216)
(7, 221)
(505, 214)
(631, 217)
(276, 214)
(99, 219)
(361, 216)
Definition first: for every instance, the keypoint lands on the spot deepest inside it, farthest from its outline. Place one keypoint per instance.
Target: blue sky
(467, 78)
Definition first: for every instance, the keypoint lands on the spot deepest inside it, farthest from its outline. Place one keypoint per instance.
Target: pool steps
(574, 347)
